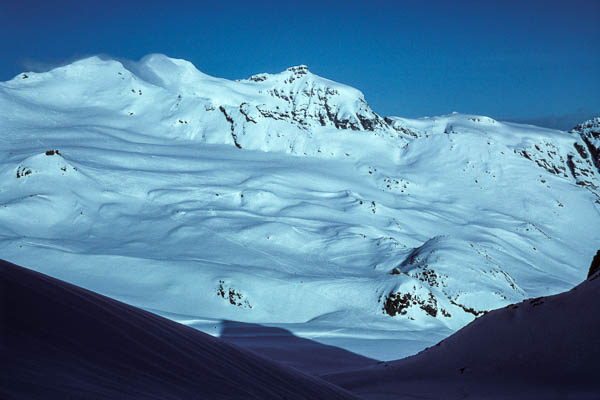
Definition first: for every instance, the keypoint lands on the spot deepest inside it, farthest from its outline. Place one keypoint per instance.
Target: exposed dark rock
(594, 151)
(468, 309)
(536, 301)
(397, 126)
(258, 77)
(299, 70)
(273, 114)
(571, 166)
(234, 297)
(581, 150)
(429, 276)
(244, 112)
(524, 154)
(545, 160)
(312, 101)
(230, 120)
(399, 303)
(589, 131)
(581, 163)
(23, 171)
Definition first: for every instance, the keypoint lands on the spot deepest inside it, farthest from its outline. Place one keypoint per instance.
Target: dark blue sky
(534, 61)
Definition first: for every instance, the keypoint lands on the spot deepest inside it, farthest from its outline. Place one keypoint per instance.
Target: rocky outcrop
(398, 304)
(307, 100)
(50, 162)
(580, 161)
(231, 122)
(589, 131)
(399, 126)
(234, 297)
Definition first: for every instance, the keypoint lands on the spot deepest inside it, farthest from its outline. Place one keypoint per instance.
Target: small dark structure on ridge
(595, 267)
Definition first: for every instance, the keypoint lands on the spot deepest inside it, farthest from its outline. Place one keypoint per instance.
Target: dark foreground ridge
(595, 266)
(543, 348)
(59, 341)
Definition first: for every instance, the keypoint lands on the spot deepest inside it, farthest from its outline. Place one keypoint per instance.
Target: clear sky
(536, 61)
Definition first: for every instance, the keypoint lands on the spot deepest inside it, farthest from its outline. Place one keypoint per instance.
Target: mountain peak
(589, 125)
(294, 72)
(298, 69)
(167, 72)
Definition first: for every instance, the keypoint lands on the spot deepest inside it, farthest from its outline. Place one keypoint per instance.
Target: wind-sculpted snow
(285, 199)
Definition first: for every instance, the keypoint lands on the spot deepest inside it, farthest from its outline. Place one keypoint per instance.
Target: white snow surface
(284, 200)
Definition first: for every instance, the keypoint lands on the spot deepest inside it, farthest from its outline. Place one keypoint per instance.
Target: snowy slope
(542, 348)
(62, 342)
(284, 199)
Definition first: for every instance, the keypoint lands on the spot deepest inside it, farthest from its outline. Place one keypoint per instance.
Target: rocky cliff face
(575, 162)
(307, 100)
(577, 159)
(589, 131)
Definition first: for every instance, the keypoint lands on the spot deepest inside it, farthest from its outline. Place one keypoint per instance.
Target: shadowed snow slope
(59, 341)
(280, 345)
(284, 200)
(543, 348)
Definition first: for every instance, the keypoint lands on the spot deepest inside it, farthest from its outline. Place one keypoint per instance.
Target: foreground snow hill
(59, 341)
(285, 200)
(542, 348)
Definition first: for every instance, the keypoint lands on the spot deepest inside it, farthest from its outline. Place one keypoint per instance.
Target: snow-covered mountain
(284, 199)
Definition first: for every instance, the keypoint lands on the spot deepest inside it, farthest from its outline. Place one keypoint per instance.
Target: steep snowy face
(158, 196)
